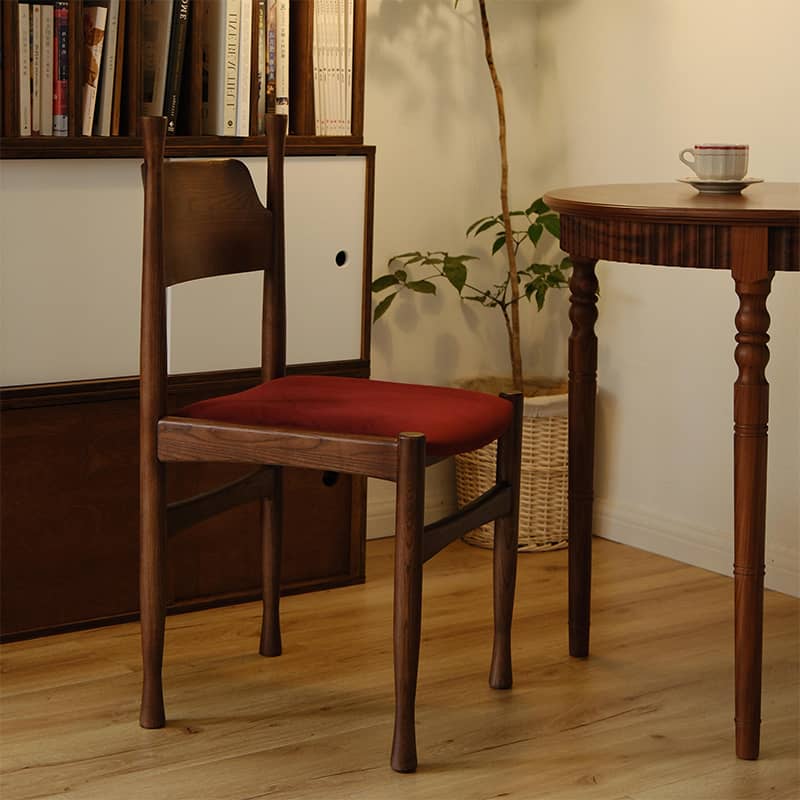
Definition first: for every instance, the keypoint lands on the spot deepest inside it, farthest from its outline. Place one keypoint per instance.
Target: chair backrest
(201, 219)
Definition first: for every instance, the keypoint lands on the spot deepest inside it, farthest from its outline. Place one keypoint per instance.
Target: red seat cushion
(453, 420)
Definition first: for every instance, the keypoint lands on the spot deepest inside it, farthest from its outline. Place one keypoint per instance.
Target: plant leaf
(476, 223)
(499, 242)
(384, 282)
(490, 223)
(535, 233)
(540, 294)
(382, 307)
(455, 272)
(424, 287)
(538, 206)
(552, 223)
(405, 255)
(401, 275)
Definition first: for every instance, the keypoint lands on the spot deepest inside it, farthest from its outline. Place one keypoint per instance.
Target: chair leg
(152, 591)
(407, 596)
(506, 537)
(271, 536)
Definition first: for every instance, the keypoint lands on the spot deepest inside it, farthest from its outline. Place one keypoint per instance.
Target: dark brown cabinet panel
(69, 496)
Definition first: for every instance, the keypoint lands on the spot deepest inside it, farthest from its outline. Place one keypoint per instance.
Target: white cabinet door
(70, 262)
(216, 323)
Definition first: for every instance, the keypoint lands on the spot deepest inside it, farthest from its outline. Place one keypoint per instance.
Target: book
(102, 120)
(177, 55)
(272, 11)
(24, 53)
(220, 63)
(262, 67)
(94, 28)
(116, 100)
(156, 24)
(46, 95)
(282, 57)
(61, 68)
(231, 90)
(243, 77)
(36, 67)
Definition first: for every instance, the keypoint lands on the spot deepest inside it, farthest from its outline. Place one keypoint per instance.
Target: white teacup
(718, 162)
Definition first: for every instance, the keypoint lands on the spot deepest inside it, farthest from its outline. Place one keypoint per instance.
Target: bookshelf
(189, 139)
(57, 384)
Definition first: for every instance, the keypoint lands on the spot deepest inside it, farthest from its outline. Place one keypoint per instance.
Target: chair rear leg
(152, 590)
(271, 536)
(407, 596)
(506, 537)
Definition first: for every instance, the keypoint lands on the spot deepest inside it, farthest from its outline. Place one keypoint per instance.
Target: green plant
(534, 281)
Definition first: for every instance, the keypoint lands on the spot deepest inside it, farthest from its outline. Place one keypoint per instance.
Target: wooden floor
(647, 717)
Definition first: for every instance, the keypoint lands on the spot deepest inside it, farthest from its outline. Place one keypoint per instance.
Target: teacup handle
(691, 164)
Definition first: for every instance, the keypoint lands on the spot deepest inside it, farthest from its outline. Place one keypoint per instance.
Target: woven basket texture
(543, 481)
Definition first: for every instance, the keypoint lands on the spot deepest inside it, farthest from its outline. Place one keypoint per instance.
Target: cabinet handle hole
(341, 259)
(330, 478)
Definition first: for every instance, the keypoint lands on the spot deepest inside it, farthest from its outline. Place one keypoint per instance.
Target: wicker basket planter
(543, 490)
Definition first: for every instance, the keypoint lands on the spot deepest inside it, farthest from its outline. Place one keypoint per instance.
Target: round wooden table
(751, 234)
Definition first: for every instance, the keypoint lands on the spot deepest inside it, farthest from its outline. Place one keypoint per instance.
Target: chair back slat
(214, 223)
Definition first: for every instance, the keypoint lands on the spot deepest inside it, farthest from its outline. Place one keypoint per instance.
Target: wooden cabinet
(189, 138)
(70, 255)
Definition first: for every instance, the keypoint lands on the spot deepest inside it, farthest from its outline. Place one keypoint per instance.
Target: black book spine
(177, 51)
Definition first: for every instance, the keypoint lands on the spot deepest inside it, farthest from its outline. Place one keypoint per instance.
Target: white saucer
(712, 186)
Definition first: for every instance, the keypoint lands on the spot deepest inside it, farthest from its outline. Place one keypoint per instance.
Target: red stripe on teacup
(721, 146)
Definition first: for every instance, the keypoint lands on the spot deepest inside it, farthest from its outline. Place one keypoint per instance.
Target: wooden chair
(204, 218)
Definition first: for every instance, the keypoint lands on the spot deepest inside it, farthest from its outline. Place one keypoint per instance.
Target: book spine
(36, 67)
(94, 27)
(61, 68)
(46, 97)
(102, 120)
(232, 22)
(243, 77)
(282, 58)
(271, 53)
(262, 66)
(116, 105)
(24, 52)
(177, 52)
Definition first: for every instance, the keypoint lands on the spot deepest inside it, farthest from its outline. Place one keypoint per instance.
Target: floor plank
(647, 717)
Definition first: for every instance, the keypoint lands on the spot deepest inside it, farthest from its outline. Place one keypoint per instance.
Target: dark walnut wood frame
(190, 142)
(753, 235)
(177, 247)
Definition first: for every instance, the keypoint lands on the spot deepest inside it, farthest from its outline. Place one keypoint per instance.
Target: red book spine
(60, 68)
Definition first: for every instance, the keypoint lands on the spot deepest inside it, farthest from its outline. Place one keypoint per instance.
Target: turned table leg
(582, 394)
(750, 413)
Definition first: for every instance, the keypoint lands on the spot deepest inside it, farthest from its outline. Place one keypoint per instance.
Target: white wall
(597, 92)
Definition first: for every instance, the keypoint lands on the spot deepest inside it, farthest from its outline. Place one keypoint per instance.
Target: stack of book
(333, 67)
(228, 59)
(241, 47)
(165, 25)
(43, 67)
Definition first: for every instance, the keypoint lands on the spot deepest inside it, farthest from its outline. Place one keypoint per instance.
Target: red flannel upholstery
(453, 420)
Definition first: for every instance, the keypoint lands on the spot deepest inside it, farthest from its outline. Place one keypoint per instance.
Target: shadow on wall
(426, 60)
(443, 42)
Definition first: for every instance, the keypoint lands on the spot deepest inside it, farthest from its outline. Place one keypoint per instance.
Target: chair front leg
(407, 596)
(152, 589)
(271, 537)
(506, 537)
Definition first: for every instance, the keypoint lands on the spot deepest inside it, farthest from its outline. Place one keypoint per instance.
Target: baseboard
(692, 544)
